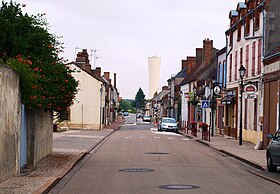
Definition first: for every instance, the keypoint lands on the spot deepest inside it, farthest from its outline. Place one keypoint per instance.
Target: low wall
(39, 135)
(10, 114)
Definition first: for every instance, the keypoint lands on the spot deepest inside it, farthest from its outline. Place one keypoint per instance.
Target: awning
(228, 99)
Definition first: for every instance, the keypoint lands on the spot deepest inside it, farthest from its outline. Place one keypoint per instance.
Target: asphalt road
(136, 159)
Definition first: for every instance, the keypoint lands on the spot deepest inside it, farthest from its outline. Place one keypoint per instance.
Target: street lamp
(194, 97)
(212, 107)
(242, 71)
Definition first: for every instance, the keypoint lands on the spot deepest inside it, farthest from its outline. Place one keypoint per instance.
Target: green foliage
(139, 101)
(27, 46)
(125, 105)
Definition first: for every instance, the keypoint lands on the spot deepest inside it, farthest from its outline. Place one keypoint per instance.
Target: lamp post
(194, 97)
(242, 71)
(212, 106)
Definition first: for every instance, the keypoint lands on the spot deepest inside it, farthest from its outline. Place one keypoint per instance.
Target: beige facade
(89, 105)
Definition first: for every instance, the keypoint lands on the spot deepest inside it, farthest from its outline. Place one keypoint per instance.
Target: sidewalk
(230, 146)
(69, 148)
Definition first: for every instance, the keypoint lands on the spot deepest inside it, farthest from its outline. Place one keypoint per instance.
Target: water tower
(154, 75)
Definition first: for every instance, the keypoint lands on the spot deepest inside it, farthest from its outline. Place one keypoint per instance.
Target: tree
(28, 47)
(139, 102)
(126, 105)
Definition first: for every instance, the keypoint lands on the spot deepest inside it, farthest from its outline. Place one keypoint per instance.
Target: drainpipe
(101, 91)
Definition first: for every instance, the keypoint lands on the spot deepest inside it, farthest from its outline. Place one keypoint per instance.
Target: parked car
(146, 118)
(167, 124)
(273, 152)
(139, 115)
(125, 114)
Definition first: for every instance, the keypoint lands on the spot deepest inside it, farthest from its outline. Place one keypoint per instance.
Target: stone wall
(10, 114)
(39, 136)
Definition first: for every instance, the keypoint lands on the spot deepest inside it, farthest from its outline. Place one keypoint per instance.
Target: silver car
(167, 124)
(273, 152)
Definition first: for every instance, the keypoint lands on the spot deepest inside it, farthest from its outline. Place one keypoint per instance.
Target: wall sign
(250, 89)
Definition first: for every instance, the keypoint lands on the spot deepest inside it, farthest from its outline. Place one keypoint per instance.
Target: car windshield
(168, 120)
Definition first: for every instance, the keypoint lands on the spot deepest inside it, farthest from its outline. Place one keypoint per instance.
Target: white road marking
(156, 137)
(170, 138)
(87, 136)
(141, 137)
(128, 137)
(185, 139)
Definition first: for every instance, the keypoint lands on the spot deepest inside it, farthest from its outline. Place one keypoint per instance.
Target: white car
(167, 124)
(147, 118)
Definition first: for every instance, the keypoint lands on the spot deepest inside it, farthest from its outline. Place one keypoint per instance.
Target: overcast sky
(127, 32)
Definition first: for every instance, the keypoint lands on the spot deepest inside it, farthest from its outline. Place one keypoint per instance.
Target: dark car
(167, 124)
(273, 152)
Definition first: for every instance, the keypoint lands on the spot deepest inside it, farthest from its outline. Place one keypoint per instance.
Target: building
(245, 40)
(154, 74)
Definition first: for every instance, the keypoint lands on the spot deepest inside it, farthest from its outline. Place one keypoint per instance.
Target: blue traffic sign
(205, 103)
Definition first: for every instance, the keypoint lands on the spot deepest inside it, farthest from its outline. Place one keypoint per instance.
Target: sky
(126, 32)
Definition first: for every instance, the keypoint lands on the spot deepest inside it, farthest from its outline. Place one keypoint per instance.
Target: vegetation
(139, 102)
(126, 105)
(27, 45)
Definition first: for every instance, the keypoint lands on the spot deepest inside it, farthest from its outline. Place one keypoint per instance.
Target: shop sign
(250, 89)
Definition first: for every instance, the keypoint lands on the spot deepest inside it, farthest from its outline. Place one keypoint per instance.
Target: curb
(54, 180)
(227, 153)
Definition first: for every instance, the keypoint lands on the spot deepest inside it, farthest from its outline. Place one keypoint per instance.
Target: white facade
(154, 74)
(86, 112)
(184, 111)
(248, 51)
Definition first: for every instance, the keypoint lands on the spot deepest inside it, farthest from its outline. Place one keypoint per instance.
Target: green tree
(27, 45)
(139, 102)
(126, 105)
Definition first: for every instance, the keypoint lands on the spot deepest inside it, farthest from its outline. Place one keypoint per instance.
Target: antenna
(94, 56)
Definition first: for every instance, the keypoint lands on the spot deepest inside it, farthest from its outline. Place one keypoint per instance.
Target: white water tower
(154, 75)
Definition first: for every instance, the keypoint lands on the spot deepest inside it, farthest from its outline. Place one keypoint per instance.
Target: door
(23, 138)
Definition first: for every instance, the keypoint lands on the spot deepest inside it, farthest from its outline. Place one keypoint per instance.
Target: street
(138, 159)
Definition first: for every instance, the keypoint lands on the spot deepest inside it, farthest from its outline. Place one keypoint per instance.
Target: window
(247, 60)
(255, 114)
(235, 65)
(224, 74)
(257, 19)
(239, 31)
(259, 55)
(253, 57)
(247, 26)
(246, 114)
(230, 67)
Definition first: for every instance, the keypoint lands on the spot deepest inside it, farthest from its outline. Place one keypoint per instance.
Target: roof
(182, 73)
(233, 13)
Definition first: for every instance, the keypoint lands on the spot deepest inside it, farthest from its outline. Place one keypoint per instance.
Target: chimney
(207, 51)
(164, 88)
(115, 80)
(107, 76)
(198, 55)
(82, 57)
(184, 64)
(98, 71)
(190, 63)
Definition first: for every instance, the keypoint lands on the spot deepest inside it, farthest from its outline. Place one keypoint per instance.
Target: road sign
(205, 103)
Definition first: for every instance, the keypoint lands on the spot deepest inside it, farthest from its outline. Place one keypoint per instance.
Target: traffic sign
(205, 103)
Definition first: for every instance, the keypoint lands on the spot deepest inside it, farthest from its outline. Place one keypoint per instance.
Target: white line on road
(128, 137)
(170, 138)
(141, 137)
(87, 136)
(156, 137)
(185, 139)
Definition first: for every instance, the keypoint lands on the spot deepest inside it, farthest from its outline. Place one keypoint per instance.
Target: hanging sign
(250, 89)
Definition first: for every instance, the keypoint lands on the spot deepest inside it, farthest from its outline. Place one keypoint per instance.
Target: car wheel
(270, 166)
